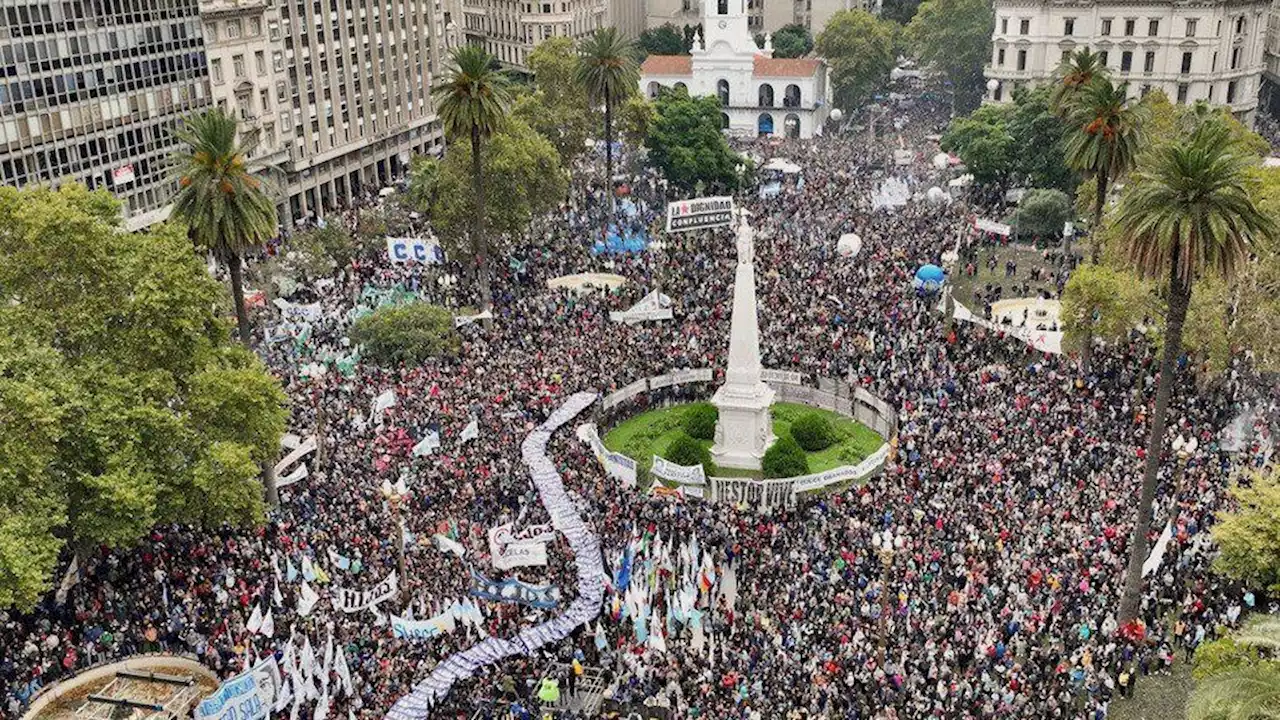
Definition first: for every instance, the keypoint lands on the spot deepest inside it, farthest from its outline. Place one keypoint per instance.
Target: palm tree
(1246, 693)
(608, 71)
(1104, 136)
(226, 208)
(474, 101)
(1075, 73)
(1189, 214)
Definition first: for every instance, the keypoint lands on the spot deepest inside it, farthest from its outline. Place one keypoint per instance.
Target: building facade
(92, 90)
(760, 95)
(628, 16)
(511, 29)
(355, 99)
(763, 16)
(1192, 51)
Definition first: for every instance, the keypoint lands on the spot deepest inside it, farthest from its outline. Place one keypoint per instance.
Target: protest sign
(616, 465)
(509, 549)
(248, 696)
(441, 624)
(681, 474)
(699, 214)
(786, 377)
(515, 591)
(419, 250)
(654, 306)
(350, 601)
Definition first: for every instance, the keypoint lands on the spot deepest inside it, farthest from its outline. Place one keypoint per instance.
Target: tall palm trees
(225, 207)
(607, 69)
(1188, 214)
(473, 102)
(1103, 142)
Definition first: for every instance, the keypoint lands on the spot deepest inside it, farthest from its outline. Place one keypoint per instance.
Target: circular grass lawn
(649, 434)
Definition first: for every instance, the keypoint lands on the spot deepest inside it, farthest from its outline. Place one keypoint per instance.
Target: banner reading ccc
(700, 214)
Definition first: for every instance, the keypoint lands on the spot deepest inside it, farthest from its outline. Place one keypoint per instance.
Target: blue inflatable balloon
(929, 278)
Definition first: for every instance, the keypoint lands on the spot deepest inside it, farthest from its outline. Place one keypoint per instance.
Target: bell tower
(724, 22)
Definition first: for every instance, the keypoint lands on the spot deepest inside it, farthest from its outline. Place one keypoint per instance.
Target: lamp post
(992, 86)
(886, 545)
(396, 495)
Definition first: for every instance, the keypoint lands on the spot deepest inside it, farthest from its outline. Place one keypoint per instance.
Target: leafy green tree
(318, 252)
(1075, 73)
(1042, 213)
(954, 38)
(983, 143)
(635, 118)
(1248, 537)
(1103, 142)
(1041, 139)
(608, 72)
(409, 334)
(224, 206)
(1189, 214)
(666, 39)
(522, 179)
(899, 11)
(123, 401)
(473, 103)
(792, 41)
(1098, 302)
(685, 142)
(700, 421)
(858, 46)
(1251, 693)
(784, 459)
(684, 450)
(558, 108)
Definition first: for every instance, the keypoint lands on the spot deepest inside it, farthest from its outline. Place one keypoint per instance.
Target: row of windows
(1183, 91)
(1126, 60)
(74, 87)
(1130, 26)
(234, 29)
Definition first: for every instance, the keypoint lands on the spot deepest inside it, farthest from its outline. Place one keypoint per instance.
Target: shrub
(784, 459)
(700, 421)
(409, 333)
(684, 450)
(813, 432)
(1220, 656)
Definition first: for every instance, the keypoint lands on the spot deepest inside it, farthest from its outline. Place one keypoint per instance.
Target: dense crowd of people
(1012, 492)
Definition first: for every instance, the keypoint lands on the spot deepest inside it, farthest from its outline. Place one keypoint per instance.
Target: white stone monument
(745, 429)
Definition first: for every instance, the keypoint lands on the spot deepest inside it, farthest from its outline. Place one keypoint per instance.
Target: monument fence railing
(833, 394)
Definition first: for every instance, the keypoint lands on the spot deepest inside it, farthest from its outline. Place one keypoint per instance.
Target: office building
(763, 16)
(92, 90)
(1192, 51)
(511, 29)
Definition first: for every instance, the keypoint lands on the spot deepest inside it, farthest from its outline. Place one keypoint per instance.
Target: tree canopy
(557, 108)
(859, 48)
(1042, 213)
(123, 402)
(666, 39)
(1019, 143)
(685, 142)
(409, 334)
(522, 178)
(954, 37)
(792, 41)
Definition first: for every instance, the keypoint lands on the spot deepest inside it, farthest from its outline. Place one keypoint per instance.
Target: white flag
(255, 620)
(343, 672)
(268, 625)
(471, 431)
(277, 597)
(328, 665)
(307, 600)
(322, 708)
(309, 668)
(427, 445)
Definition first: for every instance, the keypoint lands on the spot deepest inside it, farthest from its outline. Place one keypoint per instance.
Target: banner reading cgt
(700, 214)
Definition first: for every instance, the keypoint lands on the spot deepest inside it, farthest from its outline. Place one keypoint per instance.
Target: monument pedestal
(744, 430)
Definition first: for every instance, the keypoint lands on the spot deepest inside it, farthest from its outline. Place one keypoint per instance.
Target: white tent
(937, 196)
(782, 165)
(849, 245)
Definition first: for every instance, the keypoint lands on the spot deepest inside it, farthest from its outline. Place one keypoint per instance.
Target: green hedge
(684, 450)
(784, 459)
(700, 421)
(813, 432)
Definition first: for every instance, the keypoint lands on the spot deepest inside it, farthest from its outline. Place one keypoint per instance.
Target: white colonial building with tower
(760, 95)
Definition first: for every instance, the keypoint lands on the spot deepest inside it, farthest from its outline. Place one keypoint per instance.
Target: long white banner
(616, 465)
(442, 624)
(841, 474)
(350, 601)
